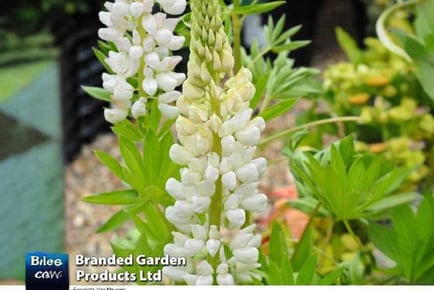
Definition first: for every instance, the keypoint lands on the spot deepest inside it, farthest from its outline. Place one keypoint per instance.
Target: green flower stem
(380, 27)
(216, 207)
(350, 230)
(141, 74)
(327, 239)
(288, 132)
(236, 26)
(265, 103)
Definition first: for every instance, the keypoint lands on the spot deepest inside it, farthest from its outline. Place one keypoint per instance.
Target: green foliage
(300, 268)
(145, 167)
(420, 47)
(409, 242)
(348, 185)
(278, 84)
(338, 184)
(97, 93)
(349, 45)
(257, 8)
(395, 114)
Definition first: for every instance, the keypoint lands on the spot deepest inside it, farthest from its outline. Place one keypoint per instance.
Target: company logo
(47, 271)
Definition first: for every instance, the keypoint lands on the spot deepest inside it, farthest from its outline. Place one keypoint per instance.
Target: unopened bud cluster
(143, 41)
(219, 178)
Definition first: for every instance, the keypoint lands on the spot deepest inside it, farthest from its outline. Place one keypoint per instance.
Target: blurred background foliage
(30, 29)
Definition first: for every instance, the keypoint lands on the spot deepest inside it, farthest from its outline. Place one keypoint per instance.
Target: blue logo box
(47, 271)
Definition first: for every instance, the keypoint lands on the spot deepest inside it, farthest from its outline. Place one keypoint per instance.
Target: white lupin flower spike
(217, 141)
(144, 41)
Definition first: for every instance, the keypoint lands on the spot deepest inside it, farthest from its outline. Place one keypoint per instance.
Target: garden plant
(192, 147)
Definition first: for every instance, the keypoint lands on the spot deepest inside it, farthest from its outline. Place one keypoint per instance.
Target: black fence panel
(83, 116)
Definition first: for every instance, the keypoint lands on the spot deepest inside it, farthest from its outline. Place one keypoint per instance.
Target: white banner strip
(114, 287)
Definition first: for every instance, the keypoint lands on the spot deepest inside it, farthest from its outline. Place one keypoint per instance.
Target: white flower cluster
(143, 41)
(228, 167)
(219, 180)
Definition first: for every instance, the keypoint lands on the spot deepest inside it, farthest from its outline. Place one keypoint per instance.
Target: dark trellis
(82, 115)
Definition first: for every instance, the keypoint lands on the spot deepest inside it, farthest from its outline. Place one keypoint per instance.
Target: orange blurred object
(282, 212)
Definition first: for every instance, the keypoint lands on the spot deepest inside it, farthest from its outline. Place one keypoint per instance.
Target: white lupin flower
(255, 203)
(115, 115)
(190, 279)
(180, 155)
(170, 112)
(229, 179)
(201, 203)
(246, 255)
(213, 245)
(175, 188)
(223, 277)
(175, 273)
(139, 108)
(148, 51)
(236, 217)
(174, 7)
(217, 142)
(194, 246)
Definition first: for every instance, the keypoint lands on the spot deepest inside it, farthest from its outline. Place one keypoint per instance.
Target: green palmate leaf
(114, 222)
(346, 148)
(423, 59)
(424, 23)
(308, 205)
(272, 32)
(291, 45)
(156, 219)
(143, 226)
(149, 249)
(127, 130)
(152, 156)
(390, 182)
(274, 275)
(158, 164)
(133, 179)
(101, 58)
(287, 273)
(289, 33)
(349, 45)
(280, 274)
(119, 197)
(277, 247)
(338, 164)
(257, 8)
(167, 168)
(104, 47)
(331, 278)
(119, 218)
(280, 269)
(97, 93)
(390, 202)
(154, 116)
(410, 241)
(111, 163)
(278, 109)
(134, 161)
(307, 271)
(305, 87)
(356, 177)
(345, 182)
(303, 249)
(261, 86)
